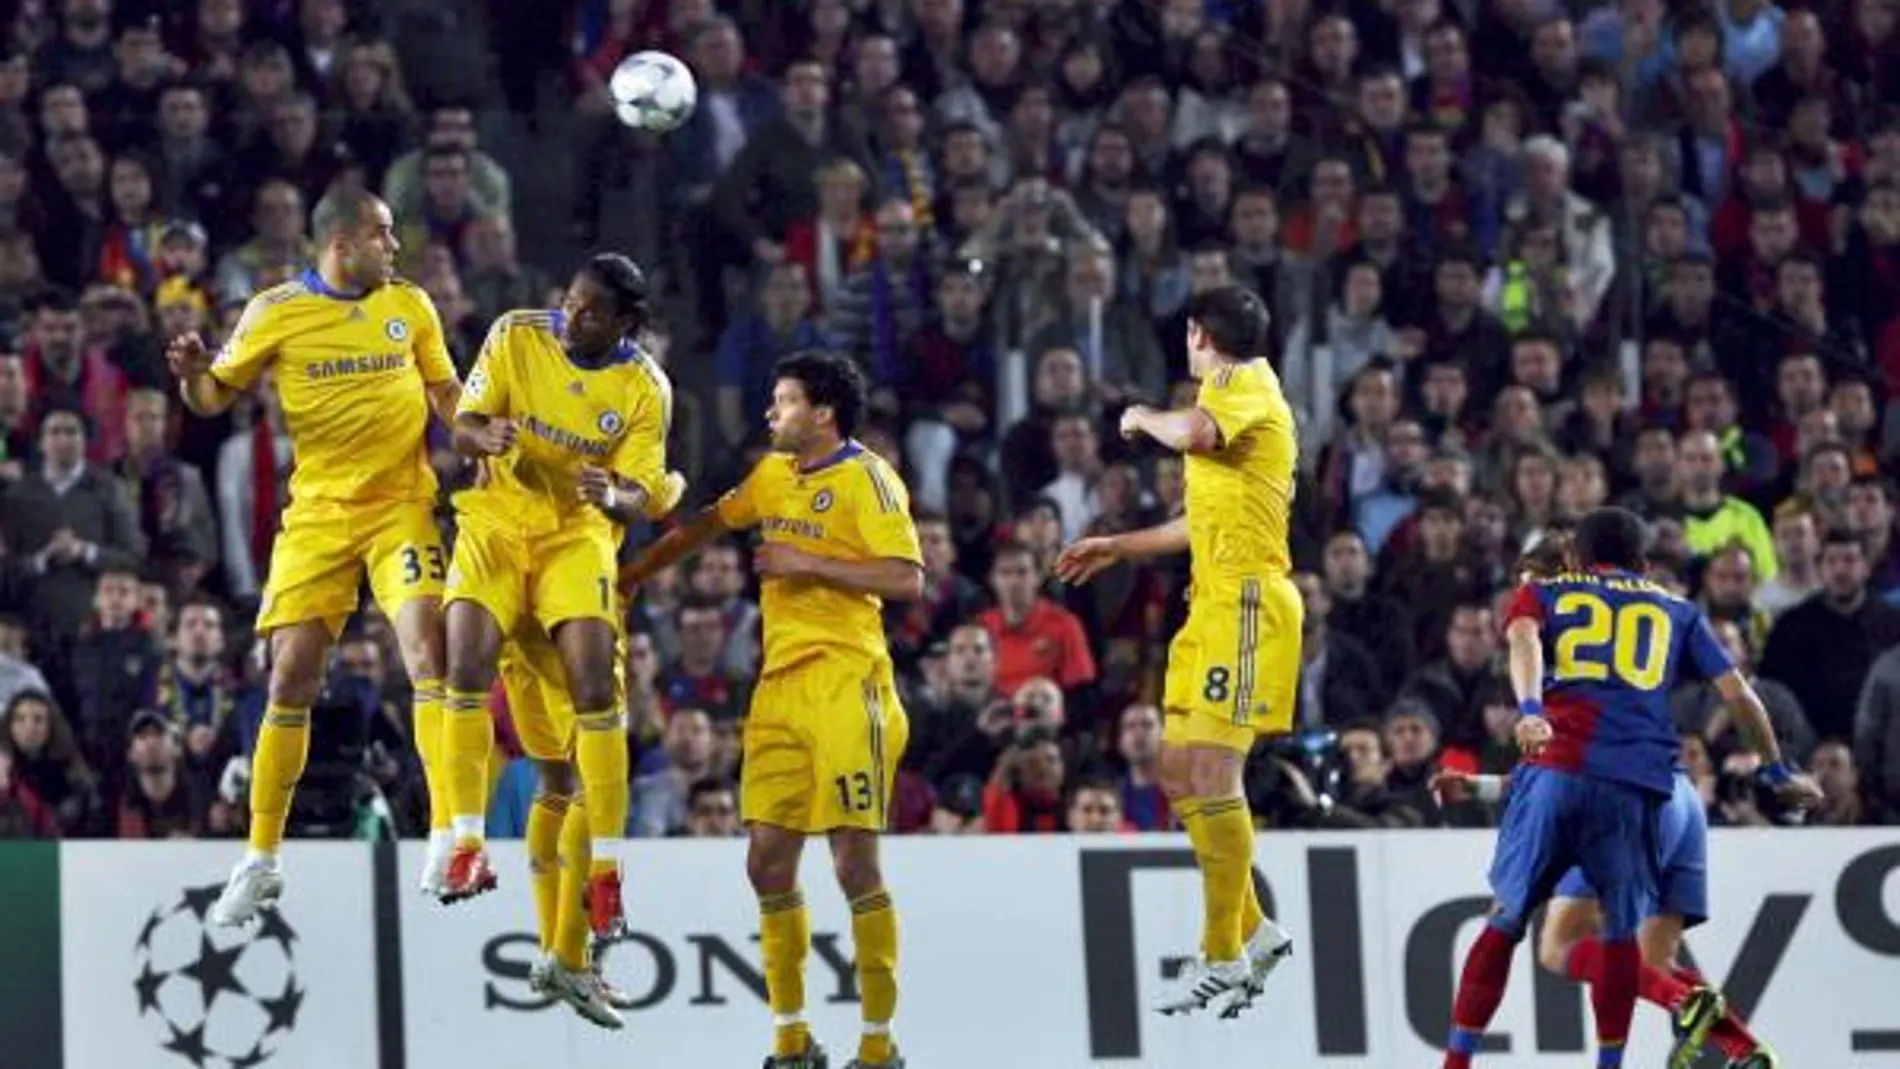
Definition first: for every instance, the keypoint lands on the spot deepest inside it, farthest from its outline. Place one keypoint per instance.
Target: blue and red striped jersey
(1614, 645)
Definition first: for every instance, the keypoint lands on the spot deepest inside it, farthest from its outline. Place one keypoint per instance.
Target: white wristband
(612, 498)
(1488, 788)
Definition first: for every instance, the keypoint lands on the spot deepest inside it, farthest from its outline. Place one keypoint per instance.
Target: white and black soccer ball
(218, 998)
(653, 91)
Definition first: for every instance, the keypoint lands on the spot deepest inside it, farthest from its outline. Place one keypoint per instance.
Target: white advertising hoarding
(149, 982)
(1031, 952)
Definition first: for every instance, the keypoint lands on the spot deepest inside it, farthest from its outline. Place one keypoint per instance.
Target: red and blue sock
(1613, 997)
(1481, 986)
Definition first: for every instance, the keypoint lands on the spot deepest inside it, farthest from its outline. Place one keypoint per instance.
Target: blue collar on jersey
(845, 452)
(625, 352)
(313, 281)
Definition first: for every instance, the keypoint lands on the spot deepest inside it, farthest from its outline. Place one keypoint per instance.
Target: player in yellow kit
(1234, 667)
(569, 418)
(825, 731)
(359, 363)
(559, 852)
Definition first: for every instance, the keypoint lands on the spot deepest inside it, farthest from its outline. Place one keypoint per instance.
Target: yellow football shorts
(324, 549)
(1234, 668)
(538, 700)
(821, 746)
(545, 580)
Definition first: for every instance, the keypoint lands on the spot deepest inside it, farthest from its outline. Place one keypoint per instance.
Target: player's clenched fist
(1533, 734)
(1084, 560)
(187, 355)
(493, 438)
(596, 486)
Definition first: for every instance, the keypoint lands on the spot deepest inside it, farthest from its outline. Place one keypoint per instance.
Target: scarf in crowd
(265, 507)
(886, 354)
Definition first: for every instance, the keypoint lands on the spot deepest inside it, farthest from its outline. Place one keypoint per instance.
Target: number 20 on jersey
(1627, 643)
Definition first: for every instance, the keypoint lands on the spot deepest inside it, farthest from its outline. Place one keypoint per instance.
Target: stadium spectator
(45, 758)
(712, 811)
(660, 798)
(157, 800)
(1033, 635)
(701, 678)
(1823, 648)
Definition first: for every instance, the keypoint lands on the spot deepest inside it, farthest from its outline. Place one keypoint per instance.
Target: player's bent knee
(771, 865)
(854, 862)
(419, 633)
(557, 778)
(297, 655)
(593, 696)
(1553, 951)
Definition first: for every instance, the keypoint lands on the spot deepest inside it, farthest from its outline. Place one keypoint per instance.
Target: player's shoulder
(279, 298)
(526, 322)
(882, 485)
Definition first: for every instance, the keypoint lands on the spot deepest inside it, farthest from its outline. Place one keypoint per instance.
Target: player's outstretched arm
(887, 578)
(201, 392)
(674, 546)
(1751, 716)
(1086, 558)
(1184, 430)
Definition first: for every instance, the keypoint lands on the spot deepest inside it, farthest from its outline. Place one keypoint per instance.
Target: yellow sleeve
(883, 509)
(1236, 400)
(640, 457)
(738, 509)
(253, 342)
(486, 391)
(432, 351)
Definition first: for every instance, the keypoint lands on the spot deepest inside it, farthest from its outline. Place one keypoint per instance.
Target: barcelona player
(1593, 793)
(568, 418)
(1568, 943)
(825, 731)
(359, 363)
(1233, 667)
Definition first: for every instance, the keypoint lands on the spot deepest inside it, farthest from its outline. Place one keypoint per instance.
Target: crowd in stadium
(1522, 260)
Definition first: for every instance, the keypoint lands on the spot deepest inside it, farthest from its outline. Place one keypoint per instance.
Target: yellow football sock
(874, 938)
(571, 923)
(545, 819)
(283, 745)
(1226, 855)
(429, 727)
(467, 737)
(784, 940)
(1251, 914)
(601, 753)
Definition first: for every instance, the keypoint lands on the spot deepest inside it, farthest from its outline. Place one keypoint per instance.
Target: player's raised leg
(474, 648)
(600, 751)
(298, 652)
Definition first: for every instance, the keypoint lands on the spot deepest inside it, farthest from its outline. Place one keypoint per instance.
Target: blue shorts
(1683, 836)
(1556, 821)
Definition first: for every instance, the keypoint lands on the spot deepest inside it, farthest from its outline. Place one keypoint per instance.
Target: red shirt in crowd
(1048, 643)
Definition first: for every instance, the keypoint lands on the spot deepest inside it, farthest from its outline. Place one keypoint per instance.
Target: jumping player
(359, 364)
(569, 419)
(1233, 668)
(1599, 771)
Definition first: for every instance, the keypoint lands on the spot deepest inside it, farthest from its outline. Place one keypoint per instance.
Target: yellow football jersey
(1240, 496)
(615, 417)
(350, 372)
(851, 507)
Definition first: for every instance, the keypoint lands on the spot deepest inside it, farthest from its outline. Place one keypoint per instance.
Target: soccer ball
(653, 91)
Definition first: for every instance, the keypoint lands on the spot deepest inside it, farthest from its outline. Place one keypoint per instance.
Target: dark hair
(1841, 536)
(1611, 537)
(1010, 547)
(620, 276)
(1235, 318)
(831, 381)
(1549, 555)
(709, 785)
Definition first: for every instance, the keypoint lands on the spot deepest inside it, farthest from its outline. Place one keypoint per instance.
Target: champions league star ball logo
(219, 998)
